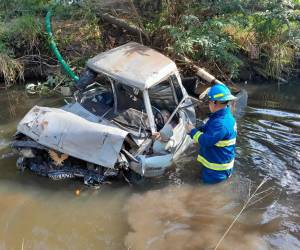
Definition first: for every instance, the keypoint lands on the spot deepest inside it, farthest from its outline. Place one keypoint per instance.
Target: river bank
(213, 36)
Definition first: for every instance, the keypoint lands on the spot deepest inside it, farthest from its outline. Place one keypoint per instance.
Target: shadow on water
(173, 212)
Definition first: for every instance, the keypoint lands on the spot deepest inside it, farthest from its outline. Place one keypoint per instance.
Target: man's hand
(189, 127)
(156, 135)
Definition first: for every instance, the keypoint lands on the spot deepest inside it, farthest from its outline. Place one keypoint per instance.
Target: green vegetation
(21, 33)
(204, 41)
(229, 34)
(224, 36)
(24, 46)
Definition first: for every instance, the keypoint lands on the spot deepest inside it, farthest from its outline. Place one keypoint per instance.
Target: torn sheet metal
(73, 135)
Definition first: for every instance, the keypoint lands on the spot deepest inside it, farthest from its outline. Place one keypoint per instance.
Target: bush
(10, 9)
(218, 32)
(23, 32)
(206, 41)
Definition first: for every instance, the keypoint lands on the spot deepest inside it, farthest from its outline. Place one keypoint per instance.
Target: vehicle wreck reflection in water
(171, 212)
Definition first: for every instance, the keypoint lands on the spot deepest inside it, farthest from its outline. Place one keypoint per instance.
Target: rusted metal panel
(134, 64)
(73, 135)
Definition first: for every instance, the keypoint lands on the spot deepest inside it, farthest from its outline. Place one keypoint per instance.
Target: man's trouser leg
(210, 176)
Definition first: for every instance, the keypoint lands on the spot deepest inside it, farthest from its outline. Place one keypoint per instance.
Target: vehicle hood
(73, 135)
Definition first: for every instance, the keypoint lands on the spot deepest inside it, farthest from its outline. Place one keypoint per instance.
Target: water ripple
(270, 143)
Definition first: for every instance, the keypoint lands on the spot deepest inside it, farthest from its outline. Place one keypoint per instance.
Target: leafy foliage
(204, 41)
(14, 8)
(220, 31)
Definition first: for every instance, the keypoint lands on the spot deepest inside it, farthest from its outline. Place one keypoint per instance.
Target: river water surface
(173, 212)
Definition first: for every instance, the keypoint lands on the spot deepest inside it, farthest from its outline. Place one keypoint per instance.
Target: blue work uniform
(216, 140)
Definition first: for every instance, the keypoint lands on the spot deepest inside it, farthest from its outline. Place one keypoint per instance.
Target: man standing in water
(217, 137)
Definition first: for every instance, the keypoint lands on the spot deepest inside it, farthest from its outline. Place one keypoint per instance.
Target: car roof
(134, 64)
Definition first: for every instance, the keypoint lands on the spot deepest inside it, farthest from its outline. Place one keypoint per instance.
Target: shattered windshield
(99, 99)
(166, 95)
(130, 108)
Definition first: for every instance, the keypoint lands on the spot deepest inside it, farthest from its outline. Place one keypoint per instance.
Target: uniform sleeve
(195, 134)
(216, 133)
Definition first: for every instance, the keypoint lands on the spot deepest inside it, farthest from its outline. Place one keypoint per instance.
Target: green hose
(55, 50)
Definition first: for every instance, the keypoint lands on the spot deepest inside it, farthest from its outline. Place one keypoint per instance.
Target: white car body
(142, 77)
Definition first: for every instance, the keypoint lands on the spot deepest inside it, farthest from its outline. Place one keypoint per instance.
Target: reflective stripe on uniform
(226, 143)
(218, 95)
(215, 166)
(196, 136)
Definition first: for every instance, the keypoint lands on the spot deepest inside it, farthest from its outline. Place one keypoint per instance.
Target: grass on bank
(11, 69)
(22, 35)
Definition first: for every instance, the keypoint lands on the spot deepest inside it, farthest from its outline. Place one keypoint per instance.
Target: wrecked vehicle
(125, 96)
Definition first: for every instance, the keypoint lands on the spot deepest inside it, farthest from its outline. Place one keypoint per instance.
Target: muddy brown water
(172, 212)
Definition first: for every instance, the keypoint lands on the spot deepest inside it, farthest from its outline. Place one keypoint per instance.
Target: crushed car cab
(125, 96)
